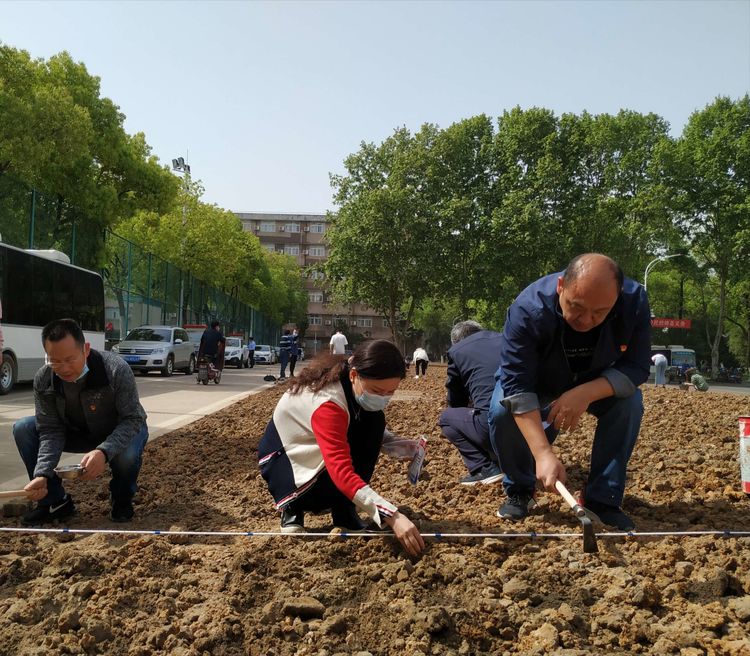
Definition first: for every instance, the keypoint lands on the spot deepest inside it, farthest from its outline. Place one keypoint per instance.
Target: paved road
(169, 403)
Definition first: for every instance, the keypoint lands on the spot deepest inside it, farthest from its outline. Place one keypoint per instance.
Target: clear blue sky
(270, 97)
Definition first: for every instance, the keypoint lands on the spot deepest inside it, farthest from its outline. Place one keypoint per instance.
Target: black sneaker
(292, 521)
(490, 473)
(611, 516)
(122, 511)
(347, 519)
(44, 514)
(517, 506)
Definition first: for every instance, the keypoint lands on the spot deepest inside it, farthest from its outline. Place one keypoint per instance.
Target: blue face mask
(371, 402)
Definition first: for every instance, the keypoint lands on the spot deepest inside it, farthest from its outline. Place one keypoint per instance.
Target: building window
(269, 247)
(315, 297)
(318, 275)
(268, 227)
(314, 320)
(364, 323)
(385, 323)
(318, 251)
(292, 227)
(318, 227)
(291, 249)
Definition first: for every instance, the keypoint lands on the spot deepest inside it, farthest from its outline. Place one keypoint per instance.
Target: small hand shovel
(589, 537)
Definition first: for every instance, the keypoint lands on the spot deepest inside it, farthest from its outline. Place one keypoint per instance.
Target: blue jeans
(125, 466)
(619, 421)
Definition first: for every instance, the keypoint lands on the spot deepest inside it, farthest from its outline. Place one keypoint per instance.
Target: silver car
(164, 348)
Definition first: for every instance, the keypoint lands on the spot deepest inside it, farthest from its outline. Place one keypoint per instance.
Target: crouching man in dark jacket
(86, 402)
(574, 342)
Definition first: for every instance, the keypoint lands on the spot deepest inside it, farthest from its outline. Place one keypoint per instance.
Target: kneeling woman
(319, 450)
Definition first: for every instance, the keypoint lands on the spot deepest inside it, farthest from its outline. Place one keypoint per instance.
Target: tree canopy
(459, 220)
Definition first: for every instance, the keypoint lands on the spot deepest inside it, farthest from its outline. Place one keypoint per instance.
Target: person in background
(251, 352)
(293, 352)
(320, 450)
(285, 348)
(212, 343)
(660, 363)
(573, 342)
(472, 362)
(696, 380)
(86, 402)
(338, 343)
(421, 360)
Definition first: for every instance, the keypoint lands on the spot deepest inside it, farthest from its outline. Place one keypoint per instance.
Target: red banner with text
(664, 322)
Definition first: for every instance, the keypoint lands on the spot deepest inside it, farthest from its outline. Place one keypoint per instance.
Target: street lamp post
(180, 166)
(650, 265)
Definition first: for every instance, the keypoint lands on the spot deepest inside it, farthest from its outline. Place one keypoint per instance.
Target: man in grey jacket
(86, 402)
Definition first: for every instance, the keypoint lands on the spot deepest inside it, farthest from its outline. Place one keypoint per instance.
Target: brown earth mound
(208, 595)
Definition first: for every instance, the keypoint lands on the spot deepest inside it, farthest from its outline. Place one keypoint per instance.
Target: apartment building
(302, 237)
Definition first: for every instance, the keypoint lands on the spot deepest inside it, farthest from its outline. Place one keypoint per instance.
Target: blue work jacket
(533, 368)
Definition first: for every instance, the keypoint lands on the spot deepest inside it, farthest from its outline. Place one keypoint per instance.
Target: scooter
(207, 371)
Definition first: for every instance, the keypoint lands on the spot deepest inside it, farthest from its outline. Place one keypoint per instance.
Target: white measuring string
(531, 535)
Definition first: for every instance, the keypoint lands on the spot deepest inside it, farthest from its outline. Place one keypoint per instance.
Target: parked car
(265, 354)
(195, 332)
(161, 348)
(235, 353)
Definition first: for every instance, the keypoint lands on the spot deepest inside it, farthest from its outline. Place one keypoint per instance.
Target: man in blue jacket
(472, 362)
(574, 342)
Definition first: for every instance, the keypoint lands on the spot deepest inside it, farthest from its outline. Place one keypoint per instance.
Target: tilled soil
(208, 595)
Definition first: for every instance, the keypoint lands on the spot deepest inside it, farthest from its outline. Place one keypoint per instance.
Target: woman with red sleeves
(320, 449)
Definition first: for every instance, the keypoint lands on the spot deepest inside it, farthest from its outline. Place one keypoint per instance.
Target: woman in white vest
(320, 449)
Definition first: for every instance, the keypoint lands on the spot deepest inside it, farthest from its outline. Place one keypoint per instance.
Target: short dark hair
(215, 324)
(576, 267)
(59, 329)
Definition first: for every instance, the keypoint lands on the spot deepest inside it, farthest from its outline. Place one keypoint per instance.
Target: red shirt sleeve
(330, 423)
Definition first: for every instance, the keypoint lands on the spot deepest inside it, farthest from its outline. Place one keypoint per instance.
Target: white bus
(35, 288)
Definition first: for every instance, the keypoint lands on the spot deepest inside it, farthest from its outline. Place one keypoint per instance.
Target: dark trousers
(251, 358)
(420, 364)
(125, 466)
(283, 362)
(292, 363)
(324, 495)
(467, 430)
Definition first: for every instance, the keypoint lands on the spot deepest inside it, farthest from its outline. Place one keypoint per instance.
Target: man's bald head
(588, 290)
(594, 268)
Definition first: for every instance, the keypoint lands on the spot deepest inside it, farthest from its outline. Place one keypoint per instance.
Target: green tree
(58, 135)
(381, 236)
(708, 173)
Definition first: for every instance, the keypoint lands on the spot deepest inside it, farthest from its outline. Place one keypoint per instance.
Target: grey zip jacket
(114, 415)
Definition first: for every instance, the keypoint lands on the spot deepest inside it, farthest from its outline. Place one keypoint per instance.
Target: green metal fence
(141, 288)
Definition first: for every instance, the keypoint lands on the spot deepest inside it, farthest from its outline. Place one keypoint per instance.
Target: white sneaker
(417, 376)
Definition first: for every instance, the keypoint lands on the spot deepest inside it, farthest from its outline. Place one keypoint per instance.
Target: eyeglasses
(56, 364)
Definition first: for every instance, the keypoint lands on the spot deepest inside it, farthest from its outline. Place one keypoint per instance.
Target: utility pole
(180, 166)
